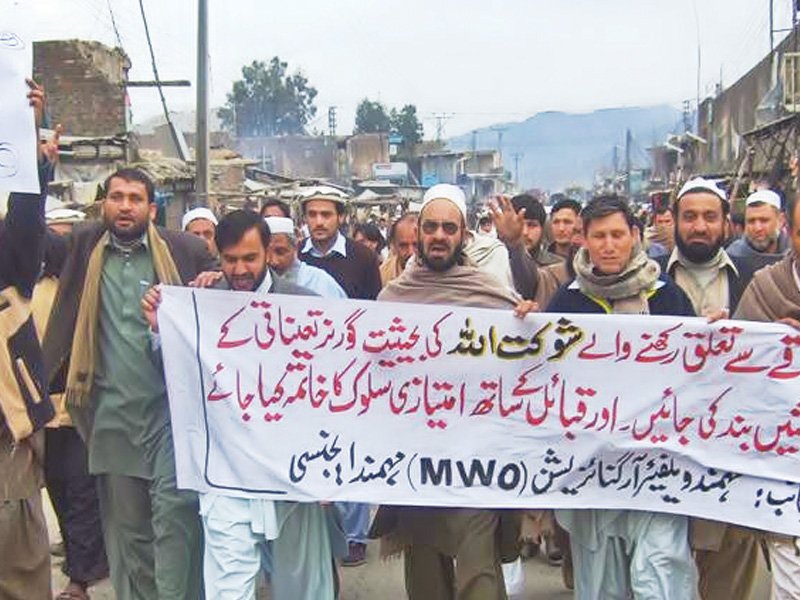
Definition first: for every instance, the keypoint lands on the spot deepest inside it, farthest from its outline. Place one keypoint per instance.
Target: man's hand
(790, 322)
(36, 100)
(715, 315)
(206, 279)
(508, 222)
(525, 307)
(49, 149)
(150, 303)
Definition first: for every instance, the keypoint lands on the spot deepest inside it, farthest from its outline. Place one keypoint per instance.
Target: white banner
(304, 398)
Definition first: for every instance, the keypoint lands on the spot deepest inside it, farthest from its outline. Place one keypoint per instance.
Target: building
(752, 126)
(479, 173)
(86, 86)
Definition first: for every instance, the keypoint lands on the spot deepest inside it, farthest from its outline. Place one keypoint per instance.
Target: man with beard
(763, 242)
(774, 295)
(726, 555)
(619, 554)
(432, 538)
(355, 269)
(201, 222)
(285, 266)
(115, 390)
(536, 271)
(293, 537)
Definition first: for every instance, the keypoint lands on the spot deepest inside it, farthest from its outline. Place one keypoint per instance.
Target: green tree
(371, 117)
(406, 124)
(268, 101)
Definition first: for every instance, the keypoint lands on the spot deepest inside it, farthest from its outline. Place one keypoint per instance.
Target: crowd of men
(79, 314)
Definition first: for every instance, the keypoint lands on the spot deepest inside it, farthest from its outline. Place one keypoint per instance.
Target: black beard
(440, 265)
(128, 235)
(697, 252)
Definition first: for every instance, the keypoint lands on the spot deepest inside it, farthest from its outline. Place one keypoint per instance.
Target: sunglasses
(431, 227)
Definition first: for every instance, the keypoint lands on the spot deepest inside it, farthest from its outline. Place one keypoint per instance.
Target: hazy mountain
(559, 149)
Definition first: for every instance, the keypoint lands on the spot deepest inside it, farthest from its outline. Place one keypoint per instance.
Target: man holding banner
(619, 553)
(293, 537)
(774, 295)
(432, 538)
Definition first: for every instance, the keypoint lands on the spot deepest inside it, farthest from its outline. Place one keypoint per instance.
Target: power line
(114, 24)
(178, 144)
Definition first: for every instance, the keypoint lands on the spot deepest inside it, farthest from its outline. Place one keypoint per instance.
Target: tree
(406, 124)
(267, 101)
(371, 117)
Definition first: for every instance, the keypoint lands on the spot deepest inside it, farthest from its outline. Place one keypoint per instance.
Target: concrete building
(479, 173)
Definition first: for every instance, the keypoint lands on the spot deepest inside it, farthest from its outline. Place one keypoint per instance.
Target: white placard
(18, 171)
(307, 399)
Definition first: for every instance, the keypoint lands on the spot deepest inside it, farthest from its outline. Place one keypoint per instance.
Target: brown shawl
(772, 294)
(398, 527)
(458, 286)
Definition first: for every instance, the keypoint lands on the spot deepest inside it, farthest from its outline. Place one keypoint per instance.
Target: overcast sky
(482, 62)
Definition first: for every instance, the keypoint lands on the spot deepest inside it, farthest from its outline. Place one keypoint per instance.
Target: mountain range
(559, 149)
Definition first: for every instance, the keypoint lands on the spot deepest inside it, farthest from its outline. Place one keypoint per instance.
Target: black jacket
(24, 404)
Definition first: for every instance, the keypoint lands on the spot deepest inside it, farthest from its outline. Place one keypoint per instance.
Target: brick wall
(85, 83)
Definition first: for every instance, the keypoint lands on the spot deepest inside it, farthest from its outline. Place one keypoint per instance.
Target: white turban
(446, 191)
(280, 225)
(200, 212)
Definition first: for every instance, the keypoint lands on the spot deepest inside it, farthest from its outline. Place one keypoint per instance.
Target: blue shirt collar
(339, 247)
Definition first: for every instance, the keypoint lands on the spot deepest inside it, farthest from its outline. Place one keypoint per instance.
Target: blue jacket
(665, 298)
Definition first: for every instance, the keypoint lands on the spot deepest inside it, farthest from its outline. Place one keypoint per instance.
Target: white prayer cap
(700, 184)
(198, 213)
(323, 192)
(446, 191)
(764, 197)
(64, 215)
(280, 225)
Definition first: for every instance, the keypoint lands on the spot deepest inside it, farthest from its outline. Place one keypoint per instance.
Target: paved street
(383, 580)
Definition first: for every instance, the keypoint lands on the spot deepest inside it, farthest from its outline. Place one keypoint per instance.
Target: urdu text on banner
(304, 398)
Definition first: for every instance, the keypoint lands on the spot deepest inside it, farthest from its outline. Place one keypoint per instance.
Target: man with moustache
(292, 538)
(763, 242)
(449, 553)
(115, 390)
(726, 555)
(774, 296)
(402, 246)
(355, 269)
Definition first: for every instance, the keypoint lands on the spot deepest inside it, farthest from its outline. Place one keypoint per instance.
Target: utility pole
(332, 121)
(500, 131)
(201, 129)
(771, 26)
(440, 121)
(516, 156)
(628, 143)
